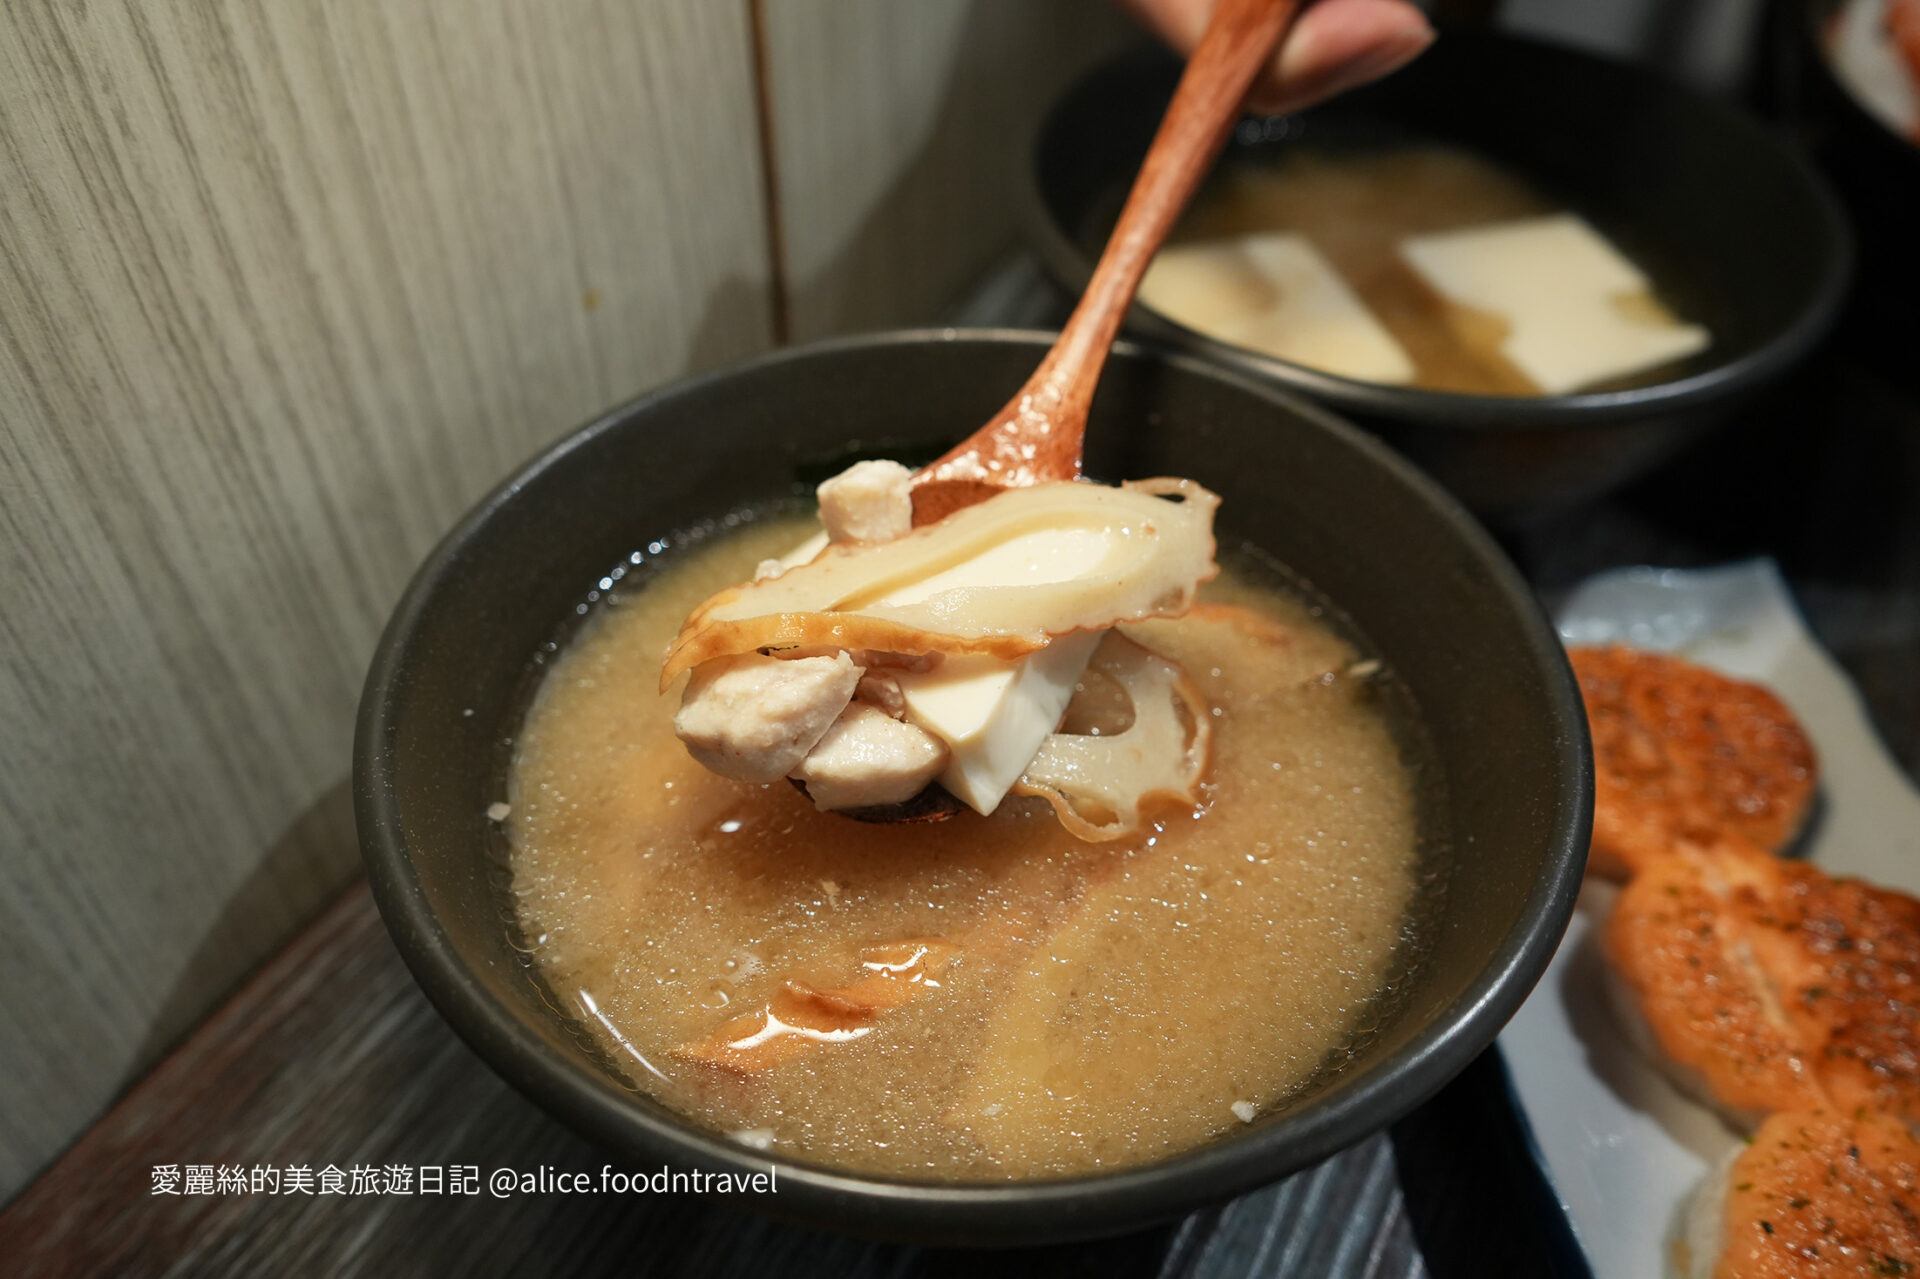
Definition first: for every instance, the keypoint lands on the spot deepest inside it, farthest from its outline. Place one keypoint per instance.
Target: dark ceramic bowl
(1423, 583)
(1736, 230)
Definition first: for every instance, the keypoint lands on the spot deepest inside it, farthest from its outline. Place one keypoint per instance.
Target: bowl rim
(1057, 1209)
(1069, 265)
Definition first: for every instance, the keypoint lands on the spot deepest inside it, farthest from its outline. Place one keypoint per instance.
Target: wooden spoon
(1038, 436)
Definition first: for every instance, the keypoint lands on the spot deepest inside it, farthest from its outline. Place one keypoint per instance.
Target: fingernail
(1296, 91)
(1383, 59)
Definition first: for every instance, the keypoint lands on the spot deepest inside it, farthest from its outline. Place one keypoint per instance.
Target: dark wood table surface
(330, 1058)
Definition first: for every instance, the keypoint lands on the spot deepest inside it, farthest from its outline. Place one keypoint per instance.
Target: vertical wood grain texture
(900, 137)
(284, 286)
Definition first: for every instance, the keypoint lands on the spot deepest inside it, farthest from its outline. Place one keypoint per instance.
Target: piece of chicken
(867, 502)
(759, 717)
(868, 758)
(1687, 756)
(1817, 1193)
(1767, 985)
(754, 718)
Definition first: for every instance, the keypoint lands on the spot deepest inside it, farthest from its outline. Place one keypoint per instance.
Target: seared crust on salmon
(1686, 756)
(1773, 986)
(1689, 981)
(1846, 955)
(1816, 1194)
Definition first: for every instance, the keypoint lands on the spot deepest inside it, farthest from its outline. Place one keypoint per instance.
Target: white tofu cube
(1574, 310)
(1273, 292)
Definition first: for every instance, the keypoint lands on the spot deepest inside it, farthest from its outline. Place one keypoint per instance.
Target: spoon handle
(1205, 107)
(1037, 436)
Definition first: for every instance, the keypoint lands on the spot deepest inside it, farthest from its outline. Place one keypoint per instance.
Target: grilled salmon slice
(1815, 1194)
(1685, 756)
(1767, 985)
(1692, 992)
(1846, 957)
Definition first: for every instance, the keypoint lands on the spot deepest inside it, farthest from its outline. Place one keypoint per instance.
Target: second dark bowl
(1737, 231)
(1421, 581)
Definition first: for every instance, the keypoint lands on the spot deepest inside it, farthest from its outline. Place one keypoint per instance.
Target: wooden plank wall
(899, 135)
(284, 286)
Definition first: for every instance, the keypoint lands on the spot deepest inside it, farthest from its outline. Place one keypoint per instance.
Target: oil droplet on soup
(981, 998)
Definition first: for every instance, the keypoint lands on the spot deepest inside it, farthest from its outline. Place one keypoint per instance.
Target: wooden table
(330, 1056)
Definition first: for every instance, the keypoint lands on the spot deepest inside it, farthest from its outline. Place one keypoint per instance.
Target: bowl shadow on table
(1475, 1196)
(1585, 992)
(306, 867)
(1621, 1067)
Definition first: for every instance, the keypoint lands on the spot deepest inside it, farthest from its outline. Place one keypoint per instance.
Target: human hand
(1335, 45)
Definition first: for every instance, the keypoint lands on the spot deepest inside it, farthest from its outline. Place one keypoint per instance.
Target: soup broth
(1074, 1006)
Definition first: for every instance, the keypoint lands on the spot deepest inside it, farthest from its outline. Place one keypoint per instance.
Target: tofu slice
(993, 715)
(1570, 309)
(1274, 293)
(1040, 558)
(806, 552)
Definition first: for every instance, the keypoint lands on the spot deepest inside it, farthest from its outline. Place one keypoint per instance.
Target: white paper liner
(1623, 1148)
